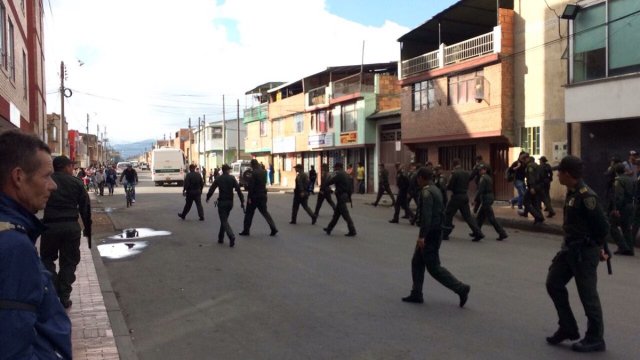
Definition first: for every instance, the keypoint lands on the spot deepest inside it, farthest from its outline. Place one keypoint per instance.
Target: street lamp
(570, 12)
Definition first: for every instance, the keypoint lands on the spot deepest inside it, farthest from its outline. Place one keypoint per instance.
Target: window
(349, 119)
(298, 119)
(11, 54)
(462, 87)
(530, 140)
(278, 127)
(216, 132)
(3, 35)
(24, 73)
(466, 154)
(264, 128)
(319, 121)
(424, 95)
(604, 46)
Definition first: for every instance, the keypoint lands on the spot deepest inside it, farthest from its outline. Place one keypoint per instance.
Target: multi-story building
(456, 73)
(601, 99)
(52, 134)
(258, 142)
(22, 90)
(211, 148)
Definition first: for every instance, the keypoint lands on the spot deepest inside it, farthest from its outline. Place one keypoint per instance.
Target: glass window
(11, 53)
(462, 87)
(263, 128)
(349, 118)
(530, 140)
(589, 59)
(424, 95)
(3, 37)
(624, 30)
(299, 121)
(24, 73)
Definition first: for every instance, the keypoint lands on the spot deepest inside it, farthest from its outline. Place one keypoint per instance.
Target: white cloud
(140, 56)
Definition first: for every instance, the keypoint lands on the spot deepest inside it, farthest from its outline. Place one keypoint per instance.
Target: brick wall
(388, 92)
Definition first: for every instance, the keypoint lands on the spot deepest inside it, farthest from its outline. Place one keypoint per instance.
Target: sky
(142, 68)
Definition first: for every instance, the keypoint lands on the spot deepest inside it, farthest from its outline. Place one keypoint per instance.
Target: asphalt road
(305, 295)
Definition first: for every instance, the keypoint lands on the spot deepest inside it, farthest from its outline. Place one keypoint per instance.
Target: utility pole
(199, 139)
(190, 155)
(88, 138)
(238, 123)
(224, 134)
(204, 138)
(62, 96)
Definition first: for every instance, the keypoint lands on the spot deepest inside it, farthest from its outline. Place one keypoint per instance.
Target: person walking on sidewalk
(301, 195)
(192, 190)
(516, 171)
(33, 323)
(100, 180)
(383, 185)
(533, 196)
(402, 180)
(427, 250)
(61, 240)
(325, 191)
(547, 179)
(459, 186)
(344, 186)
(585, 226)
(360, 177)
(313, 177)
(111, 178)
(227, 184)
(257, 198)
(621, 211)
(483, 203)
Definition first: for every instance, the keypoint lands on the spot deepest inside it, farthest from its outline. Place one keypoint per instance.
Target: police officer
(257, 197)
(227, 184)
(426, 253)
(301, 195)
(475, 172)
(459, 186)
(192, 189)
(402, 180)
(483, 203)
(343, 192)
(61, 240)
(440, 181)
(585, 226)
(383, 185)
(325, 191)
(532, 197)
(547, 178)
(313, 176)
(621, 211)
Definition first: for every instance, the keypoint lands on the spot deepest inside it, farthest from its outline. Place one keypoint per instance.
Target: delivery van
(168, 165)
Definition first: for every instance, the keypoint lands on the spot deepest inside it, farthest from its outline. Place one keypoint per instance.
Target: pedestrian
(130, 179)
(483, 203)
(100, 180)
(585, 226)
(210, 180)
(204, 173)
(33, 323)
(61, 240)
(427, 251)
(271, 174)
(621, 211)
(517, 172)
(257, 198)
(532, 197)
(383, 185)
(111, 178)
(414, 189)
(360, 177)
(402, 181)
(325, 190)
(547, 179)
(301, 196)
(227, 184)
(313, 176)
(631, 164)
(192, 190)
(459, 186)
(344, 187)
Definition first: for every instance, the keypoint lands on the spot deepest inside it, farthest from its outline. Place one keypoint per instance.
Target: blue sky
(409, 13)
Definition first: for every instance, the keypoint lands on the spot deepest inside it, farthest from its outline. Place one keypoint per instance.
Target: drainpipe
(569, 127)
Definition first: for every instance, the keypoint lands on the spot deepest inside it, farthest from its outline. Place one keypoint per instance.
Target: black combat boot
(414, 297)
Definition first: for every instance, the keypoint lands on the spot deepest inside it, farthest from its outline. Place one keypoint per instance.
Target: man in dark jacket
(383, 185)
(621, 211)
(547, 178)
(344, 187)
(301, 196)
(33, 323)
(402, 181)
(533, 196)
(257, 197)
(61, 240)
(227, 184)
(325, 190)
(192, 190)
(313, 176)
(459, 185)
(483, 203)
(427, 250)
(131, 179)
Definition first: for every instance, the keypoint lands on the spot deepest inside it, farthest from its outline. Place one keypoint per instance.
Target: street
(305, 295)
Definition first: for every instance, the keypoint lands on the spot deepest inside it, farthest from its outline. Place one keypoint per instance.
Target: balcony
(358, 83)
(260, 112)
(446, 55)
(317, 96)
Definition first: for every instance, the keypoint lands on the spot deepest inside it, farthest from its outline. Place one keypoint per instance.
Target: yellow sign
(349, 138)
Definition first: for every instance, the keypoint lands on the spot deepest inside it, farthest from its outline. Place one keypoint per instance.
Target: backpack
(510, 175)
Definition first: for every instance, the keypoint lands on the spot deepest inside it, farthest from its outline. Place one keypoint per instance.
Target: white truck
(168, 165)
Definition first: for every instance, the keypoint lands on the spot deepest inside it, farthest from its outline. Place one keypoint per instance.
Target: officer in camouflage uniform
(585, 226)
(459, 186)
(426, 253)
(483, 203)
(301, 196)
(383, 185)
(257, 197)
(621, 211)
(192, 190)
(61, 240)
(325, 191)
(533, 195)
(227, 184)
(342, 182)
(402, 181)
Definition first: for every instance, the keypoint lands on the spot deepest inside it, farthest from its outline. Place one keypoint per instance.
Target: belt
(61, 219)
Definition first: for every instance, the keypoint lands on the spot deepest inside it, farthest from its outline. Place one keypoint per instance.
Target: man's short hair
(253, 163)
(425, 173)
(192, 167)
(18, 149)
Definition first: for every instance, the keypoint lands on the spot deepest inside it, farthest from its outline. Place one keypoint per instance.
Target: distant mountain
(128, 150)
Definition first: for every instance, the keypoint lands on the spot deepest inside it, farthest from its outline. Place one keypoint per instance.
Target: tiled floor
(92, 335)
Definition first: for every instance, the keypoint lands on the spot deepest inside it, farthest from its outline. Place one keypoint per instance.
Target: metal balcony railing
(353, 84)
(255, 113)
(477, 46)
